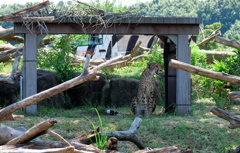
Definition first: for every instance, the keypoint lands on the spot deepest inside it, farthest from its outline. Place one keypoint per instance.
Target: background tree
(234, 31)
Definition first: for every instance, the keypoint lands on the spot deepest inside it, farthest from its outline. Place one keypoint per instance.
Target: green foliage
(58, 58)
(6, 67)
(109, 6)
(211, 11)
(170, 8)
(197, 58)
(218, 90)
(224, 11)
(2, 42)
(155, 56)
(1, 66)
(234, 31)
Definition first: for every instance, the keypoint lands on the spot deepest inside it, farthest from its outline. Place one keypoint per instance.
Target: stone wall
(109, 93)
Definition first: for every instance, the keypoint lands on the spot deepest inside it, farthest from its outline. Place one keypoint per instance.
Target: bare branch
(24, 11)
(10, 78)
(49, 18)
(227, 42)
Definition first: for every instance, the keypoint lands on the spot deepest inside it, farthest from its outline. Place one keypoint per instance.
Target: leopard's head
(155, 68)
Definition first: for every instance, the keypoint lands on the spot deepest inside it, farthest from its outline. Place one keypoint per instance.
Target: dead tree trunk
(227, 42)
(207, 73)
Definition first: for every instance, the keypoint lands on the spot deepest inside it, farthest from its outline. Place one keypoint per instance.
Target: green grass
(201, 131)
(6, 67)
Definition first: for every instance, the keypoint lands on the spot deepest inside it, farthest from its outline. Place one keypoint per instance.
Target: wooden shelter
(173, 31)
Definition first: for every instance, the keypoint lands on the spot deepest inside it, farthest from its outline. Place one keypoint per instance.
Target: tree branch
(130, 135)
(33, 132)
(234, 121)
(207, 73)
(24, 11)
(227, 42)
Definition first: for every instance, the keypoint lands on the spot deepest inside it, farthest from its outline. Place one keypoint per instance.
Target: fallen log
(227, 42)
(234, 121)
(6, 113)
(33, 132)
(234, 96)
(207, 73)
(7, 133)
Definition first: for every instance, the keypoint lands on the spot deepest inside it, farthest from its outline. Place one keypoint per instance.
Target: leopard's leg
(134, 105)
(152, 105)
(146, 105)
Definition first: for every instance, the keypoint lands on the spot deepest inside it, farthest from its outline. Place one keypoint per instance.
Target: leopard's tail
(113, 112)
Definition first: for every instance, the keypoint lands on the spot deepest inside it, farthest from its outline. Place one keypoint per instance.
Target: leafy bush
(58, 58)
(197, 58)
(216, 89)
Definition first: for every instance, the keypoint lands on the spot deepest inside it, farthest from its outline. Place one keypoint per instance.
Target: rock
(111, 93)
(88, 93)
(45, 79)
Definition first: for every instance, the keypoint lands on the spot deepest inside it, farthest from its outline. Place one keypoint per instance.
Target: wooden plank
(29, 70)
(123, 29)
(183, 86)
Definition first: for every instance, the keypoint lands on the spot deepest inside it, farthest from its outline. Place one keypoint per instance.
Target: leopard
(145, 103)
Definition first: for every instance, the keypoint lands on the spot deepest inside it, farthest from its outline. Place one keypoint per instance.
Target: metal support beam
(183, 86)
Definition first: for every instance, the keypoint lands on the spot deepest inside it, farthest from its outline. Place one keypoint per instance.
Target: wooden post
(29, 68)
(183, 84)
